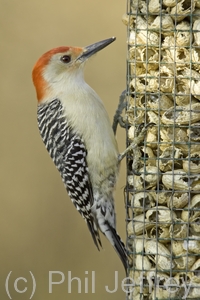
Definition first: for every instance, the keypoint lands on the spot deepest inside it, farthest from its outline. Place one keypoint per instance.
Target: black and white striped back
(69, 154)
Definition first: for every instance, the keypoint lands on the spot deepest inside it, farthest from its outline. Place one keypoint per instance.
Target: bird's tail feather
(94, 233)
(119, 248)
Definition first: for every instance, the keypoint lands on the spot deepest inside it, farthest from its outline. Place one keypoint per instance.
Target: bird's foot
(118, 119)
(139, 138)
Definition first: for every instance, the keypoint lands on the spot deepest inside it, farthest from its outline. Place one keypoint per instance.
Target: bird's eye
(66, 59)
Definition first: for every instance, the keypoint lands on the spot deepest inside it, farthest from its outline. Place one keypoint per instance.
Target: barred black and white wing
(69, 154)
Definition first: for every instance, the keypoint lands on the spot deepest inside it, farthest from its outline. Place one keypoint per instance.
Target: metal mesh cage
(163, 172)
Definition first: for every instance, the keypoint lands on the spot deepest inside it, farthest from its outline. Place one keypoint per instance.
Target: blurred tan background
(40, 230)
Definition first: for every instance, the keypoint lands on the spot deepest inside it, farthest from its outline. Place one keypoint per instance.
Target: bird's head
(62, 63)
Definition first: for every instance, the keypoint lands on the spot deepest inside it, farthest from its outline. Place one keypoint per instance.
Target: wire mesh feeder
(163, 193)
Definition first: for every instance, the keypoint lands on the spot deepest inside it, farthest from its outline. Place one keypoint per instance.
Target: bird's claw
(118, 119)
(140, 133)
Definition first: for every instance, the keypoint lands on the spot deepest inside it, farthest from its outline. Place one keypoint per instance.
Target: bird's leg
(139, 136)
(118, 119)
(134, 146)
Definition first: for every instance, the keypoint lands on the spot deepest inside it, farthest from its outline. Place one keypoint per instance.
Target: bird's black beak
(92, 49)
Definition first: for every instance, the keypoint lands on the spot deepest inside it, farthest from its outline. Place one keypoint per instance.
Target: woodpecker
(77, 133)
